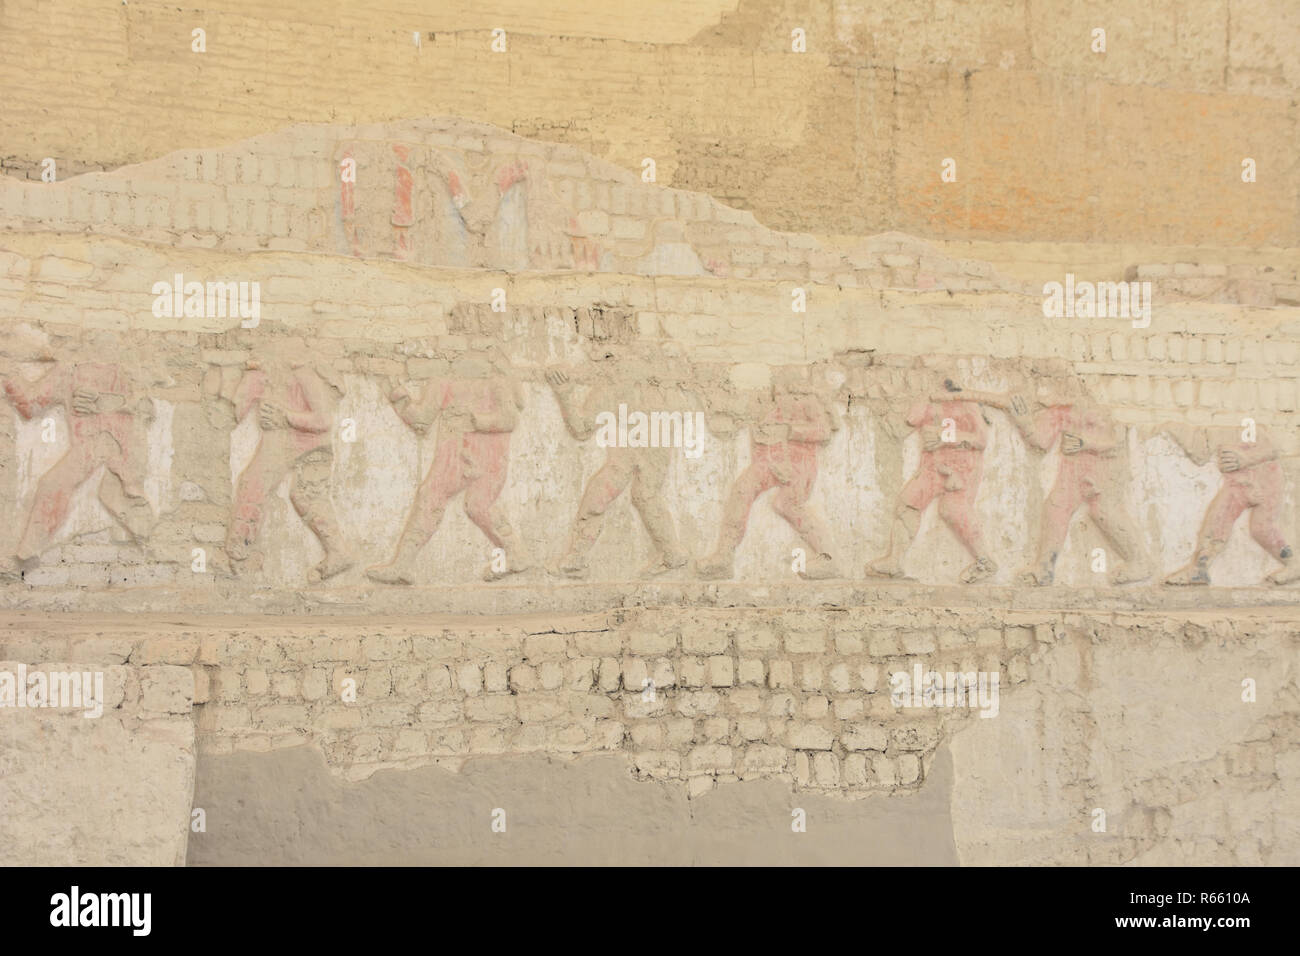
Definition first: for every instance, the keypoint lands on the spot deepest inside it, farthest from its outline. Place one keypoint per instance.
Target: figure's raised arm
(30, 399)
(500, 413)
(918, 414)
(1193, 440)
(248, 392)
(571, 409)
(319, 417)
(420, 410)
(1259, 451)
(973, 433)
(1091, 430)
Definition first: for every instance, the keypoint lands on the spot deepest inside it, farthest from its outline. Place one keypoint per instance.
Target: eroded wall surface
(1141, 143)
(399, 458)
(107, 782)
(753, 715)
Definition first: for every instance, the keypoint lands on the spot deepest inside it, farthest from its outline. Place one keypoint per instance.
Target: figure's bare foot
(568, 566)
(1289, 574)
(11, 569)
(490, 573)
(981, 570)
(1124, 573)
(333, 564)
(391, 573)
(1194, 574)
(250, 563)
(821, 568)
(886, 567)
(713, 568)
(138, 519)
(1037, 577)
(663, 563)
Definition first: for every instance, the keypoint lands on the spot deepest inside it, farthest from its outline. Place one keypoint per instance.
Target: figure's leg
(749, 484)
(1062, 501)
(648, 499)
(791, 503)
(53, 500)
(957, 509)
(445, 479)
(912, 502)
(122, 489)
(256, 484)
(310, 495)
(1289, 573)
(601, 491)
(489, 458)
(1264, 487)
(1266, 529)
(1110, 513)
(1222, 514)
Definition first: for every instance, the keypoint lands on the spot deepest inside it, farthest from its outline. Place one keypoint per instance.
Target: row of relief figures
(641, 411)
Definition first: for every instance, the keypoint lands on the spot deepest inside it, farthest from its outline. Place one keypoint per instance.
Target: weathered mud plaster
(583, 812)
(747, 707)
(445, 467)
(111, 789)
(844, 138)
(345, 455)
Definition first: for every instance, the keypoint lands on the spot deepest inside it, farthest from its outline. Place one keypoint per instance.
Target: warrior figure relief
(106, 422)
(787, 429)
(295, 408)
(953, 434)
(1252, 481)
(476, 408)
(642, 471)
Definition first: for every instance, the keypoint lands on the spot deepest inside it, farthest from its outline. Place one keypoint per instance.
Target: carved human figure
(1093, 470)
(787, 428)
(513, 220)
(476, 407)
(620, 377)
(106, 422)
(1252, 481)
(495, 224)
(479, 212)
(1289, 573)
(953, 434)
(295, 408)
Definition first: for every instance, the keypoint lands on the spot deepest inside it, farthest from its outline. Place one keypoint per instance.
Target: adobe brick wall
(1136, 713)
(847, 137)
(395, 476)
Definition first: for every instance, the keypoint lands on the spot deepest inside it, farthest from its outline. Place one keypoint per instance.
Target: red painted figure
(403, 215)
(1092, 474)
(471, 209)
(786, 433)
(295, 409)
(953, 437)
(1092, 471)
(476, 409)
(1252, 481)
(104, 420)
